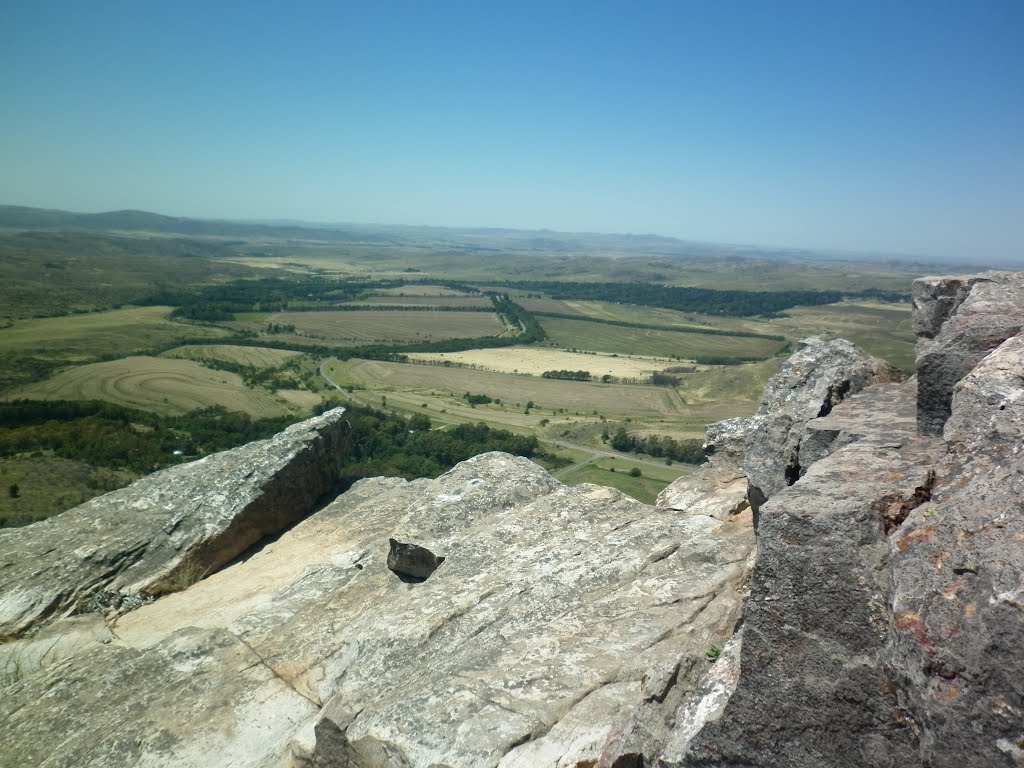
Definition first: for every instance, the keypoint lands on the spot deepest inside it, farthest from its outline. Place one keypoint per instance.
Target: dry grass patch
(536, 360)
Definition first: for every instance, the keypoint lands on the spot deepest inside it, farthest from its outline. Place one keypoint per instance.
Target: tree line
(659, 446)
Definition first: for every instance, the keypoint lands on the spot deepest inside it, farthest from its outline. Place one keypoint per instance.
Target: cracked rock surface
(537, 634)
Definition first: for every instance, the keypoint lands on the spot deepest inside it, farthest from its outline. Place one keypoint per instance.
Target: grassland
(31, 349)
(47, 485)
(382, 327)
(253, 357)
(162, 385)
(575, 411)
(421, 290)
(616, 474)
(580, 334)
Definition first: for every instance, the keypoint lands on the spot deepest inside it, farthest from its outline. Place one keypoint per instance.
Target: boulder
(169, 528)
(557, 614)
(980, 313)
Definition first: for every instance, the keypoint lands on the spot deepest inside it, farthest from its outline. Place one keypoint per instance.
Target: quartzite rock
(550, 621)
(193, 517)
(812, 690)
(958, 591)
(816, 378)
(991, 312)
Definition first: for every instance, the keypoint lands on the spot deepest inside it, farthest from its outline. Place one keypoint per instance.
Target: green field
(616, 474)
(47, 485)
(384, 327)
(600, 337)
(155, 384)
(254, 357)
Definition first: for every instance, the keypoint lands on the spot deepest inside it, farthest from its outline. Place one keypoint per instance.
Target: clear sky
(888, 126)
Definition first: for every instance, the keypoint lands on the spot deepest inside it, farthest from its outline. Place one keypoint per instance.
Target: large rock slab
(980, 313)
(174, 525)
(554, 616)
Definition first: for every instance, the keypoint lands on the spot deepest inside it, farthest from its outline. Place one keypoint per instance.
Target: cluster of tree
(515, 314)
(661, 379)
(722, 360)
(703, 300)
(660, 446)
(205, 313)
(280, 328)
(570, 375)
(107, 435)
(389, 444)
(477, 399)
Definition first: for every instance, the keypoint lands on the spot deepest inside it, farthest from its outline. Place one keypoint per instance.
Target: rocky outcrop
(493, 617)
(557, 615)
(886, 615)
(959, 320)
(168, 529)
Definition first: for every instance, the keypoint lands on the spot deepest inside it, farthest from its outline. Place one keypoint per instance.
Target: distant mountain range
(460, 239)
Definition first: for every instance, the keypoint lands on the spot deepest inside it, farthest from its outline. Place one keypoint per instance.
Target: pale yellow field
(155, 384)
(535, 360)
(256, 357)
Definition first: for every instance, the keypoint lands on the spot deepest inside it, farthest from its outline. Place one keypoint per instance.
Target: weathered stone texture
(815, 379)
(981, 313)
(193, 517)
(557, 613)
(812, 690)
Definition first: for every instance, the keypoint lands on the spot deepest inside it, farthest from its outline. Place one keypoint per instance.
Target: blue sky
(893, 127)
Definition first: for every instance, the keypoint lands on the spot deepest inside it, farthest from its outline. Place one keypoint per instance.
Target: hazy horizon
(874, 129)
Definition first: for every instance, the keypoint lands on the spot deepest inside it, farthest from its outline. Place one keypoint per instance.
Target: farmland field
(155, 384)
(388, 327)
(255, 357)
(535, 360)
(580, 334)
(86, 336)
(641, 401)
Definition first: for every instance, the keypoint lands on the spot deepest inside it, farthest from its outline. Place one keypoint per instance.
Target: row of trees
(659, 446)
(570, 375)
